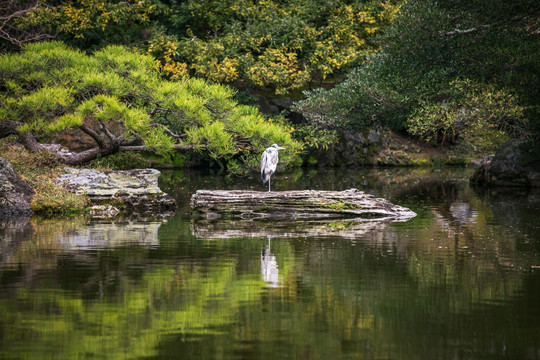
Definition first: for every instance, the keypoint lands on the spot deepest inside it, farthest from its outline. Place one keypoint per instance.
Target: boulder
(516, 163)
(128, 190)
(15, 194)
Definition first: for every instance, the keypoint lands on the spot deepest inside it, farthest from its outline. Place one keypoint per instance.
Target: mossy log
(295, 204)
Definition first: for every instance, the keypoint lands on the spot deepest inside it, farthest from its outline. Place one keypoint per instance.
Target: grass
(39, 170)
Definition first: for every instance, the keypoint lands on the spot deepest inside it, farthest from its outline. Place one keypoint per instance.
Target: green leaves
(468, 107)
(47, 102)
(117, 97)
(447, 67)
(279, 45)
(218, 142)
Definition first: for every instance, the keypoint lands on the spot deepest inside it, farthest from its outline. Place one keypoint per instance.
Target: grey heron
(269, 160)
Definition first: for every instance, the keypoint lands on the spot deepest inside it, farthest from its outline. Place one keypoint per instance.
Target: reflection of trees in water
(517, 209)
(69, 250)
(13, 230)
(382, 293)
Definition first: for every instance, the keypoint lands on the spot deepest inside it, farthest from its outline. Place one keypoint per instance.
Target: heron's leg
(268, 184)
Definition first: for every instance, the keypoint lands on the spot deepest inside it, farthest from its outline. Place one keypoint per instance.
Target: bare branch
(94, 135)
(10, 11)
(466, 31)
(114, 139)
(30, 142)
(81, 157)
(179, 148)
(168, 131)
(9, 127)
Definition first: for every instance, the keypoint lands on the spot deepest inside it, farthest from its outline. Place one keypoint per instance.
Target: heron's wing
(264, 160)
(274, 159)
(264, 166)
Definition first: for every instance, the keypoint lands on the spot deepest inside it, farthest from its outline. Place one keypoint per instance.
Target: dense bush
(281, 45)
(445, 66)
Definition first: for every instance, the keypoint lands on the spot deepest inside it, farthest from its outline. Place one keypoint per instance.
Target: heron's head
(277, 147)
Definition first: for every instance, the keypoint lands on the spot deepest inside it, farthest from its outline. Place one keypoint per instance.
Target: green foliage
(445, 66)
(89, 23)
(468, 107)
(315, 136)
(120, 95)
(282, 45)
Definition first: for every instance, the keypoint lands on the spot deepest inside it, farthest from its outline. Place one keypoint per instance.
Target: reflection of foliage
(172, 297)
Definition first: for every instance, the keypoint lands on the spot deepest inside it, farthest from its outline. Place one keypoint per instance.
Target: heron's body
(269, 160)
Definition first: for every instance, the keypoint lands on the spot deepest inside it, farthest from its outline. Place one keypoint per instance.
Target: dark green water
(459, 281)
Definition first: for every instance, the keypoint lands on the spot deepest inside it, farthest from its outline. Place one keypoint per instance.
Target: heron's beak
(280, 148)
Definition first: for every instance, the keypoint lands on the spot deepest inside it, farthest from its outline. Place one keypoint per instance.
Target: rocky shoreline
(515, 164)
(110, 193)
(15, 193)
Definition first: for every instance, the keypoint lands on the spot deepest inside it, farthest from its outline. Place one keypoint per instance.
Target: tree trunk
(350, 203)
(74, 159)
(106, 145)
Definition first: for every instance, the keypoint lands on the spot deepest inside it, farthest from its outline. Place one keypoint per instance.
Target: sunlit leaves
(65, 122)
(82, 19)
(281, 45)
(279, 69)
(218, 142)
(120, 98)
(278, 45)
(47, 102)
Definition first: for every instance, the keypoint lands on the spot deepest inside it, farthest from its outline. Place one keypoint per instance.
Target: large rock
(516, 163)
(15, 194)
(130, 190)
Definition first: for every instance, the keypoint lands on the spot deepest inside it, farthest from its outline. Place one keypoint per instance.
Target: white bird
(269, 160)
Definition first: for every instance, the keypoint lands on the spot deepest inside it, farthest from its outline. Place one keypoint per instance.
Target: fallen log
(294, 204)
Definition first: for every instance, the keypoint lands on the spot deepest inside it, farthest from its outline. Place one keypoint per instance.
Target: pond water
(461, 280)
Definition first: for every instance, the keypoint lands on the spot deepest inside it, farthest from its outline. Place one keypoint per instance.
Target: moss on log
(294, 204)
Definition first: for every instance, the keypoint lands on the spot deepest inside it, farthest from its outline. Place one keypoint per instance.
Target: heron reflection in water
(269, 266)
(269, 160)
